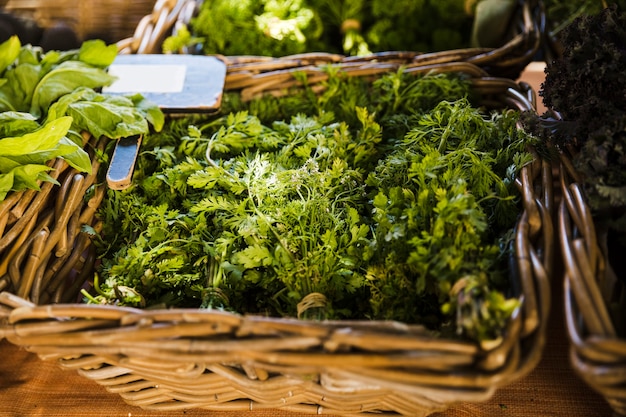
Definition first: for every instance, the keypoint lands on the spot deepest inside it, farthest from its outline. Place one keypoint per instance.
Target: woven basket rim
(597, 349)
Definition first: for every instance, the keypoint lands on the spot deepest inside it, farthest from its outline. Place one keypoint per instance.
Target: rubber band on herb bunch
(314, 305)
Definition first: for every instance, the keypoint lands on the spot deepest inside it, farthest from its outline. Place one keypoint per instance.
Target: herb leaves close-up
(391, 200)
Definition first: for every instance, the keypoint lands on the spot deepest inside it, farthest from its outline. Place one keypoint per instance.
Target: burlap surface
(32, 387)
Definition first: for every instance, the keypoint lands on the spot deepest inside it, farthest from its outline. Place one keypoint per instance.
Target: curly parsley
(364, 207)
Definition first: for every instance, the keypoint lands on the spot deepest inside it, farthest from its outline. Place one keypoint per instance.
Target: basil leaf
(47, 137)
(77, 158)
(6, 183)
(110, 120)
(95, 52)
(64, 79)
(150, 110)
(17, 123)
(9, 51)
(26, 176)
(21, 83)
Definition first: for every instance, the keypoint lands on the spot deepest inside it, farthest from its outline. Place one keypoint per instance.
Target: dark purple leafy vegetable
(586, 86)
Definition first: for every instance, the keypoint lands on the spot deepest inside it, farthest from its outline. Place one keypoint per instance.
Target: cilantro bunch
(369, 201)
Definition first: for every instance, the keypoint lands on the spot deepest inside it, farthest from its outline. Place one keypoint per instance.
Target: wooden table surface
(32, 387)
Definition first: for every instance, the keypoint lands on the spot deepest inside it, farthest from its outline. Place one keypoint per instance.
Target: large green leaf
(20, 86)
(110, 120)
(150, 110)
(26, 176)
(64, 79)
(77, 158)
(112, 116)
(9, 51)
(6, 183)
(97, 53)
(17, 123)
(45, 138)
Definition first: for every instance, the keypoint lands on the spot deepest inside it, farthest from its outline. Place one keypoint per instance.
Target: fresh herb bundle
(393, 200)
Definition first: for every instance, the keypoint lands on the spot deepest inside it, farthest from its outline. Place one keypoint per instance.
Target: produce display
(352, 27)
(390, 201)
(47, 100)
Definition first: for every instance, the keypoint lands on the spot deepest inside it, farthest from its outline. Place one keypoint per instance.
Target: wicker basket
(520, 48)
(108, 19)
(41, 231)
(188, 358)
(598, 348)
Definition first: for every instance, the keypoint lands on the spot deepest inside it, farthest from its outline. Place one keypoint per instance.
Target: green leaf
(95, 52)
(112, 116)
(6, 183)
(9, 51)
(26, 176)
(17, 92)
(78, 158)
(17, 123)
(43, 139)
(106, 119)
(42, 145)
(64, 79)
(150, 110)
(253, 257)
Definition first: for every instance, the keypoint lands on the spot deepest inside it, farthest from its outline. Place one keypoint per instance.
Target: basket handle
(152, 29)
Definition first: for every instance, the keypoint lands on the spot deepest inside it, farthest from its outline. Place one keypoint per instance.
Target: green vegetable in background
(561, 13)
(350, 27)
(492, 22)
(371, 201)
(266, 27)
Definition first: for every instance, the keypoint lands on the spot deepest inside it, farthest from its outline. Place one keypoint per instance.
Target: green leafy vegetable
(9, 51)
(104, 115)
(379, 201)
(35, 80)
(586, 87)
(351, 27)
(46, 99)
(64, 79)
(23, 158)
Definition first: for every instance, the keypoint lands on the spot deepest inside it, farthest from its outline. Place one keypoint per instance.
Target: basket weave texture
(591, 290)
(110, 19)
(187, 358)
